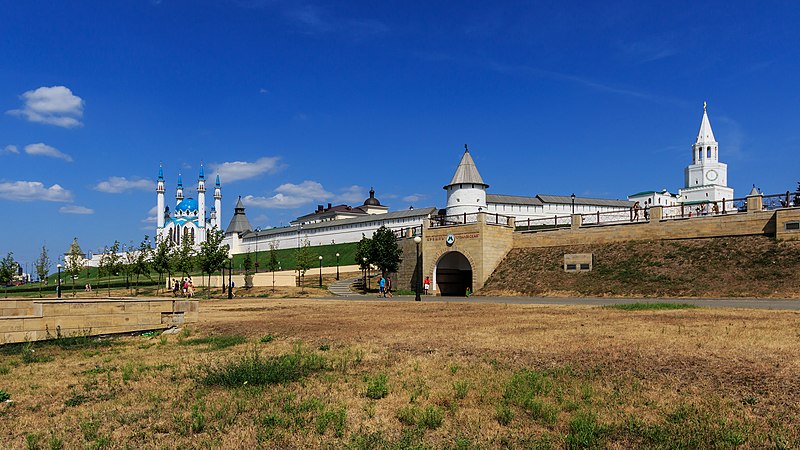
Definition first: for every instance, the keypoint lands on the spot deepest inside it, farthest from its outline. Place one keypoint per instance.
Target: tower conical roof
(467, 172)
(202, 173)
(705, 135)
(74, 248)
(239, 222)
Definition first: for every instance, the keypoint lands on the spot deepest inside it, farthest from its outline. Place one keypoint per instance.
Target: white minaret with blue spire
(218, 204)
(201, 200)
(160, 205)
(179, 191)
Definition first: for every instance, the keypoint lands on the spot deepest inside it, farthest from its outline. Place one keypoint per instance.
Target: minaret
(218, 203)
(179, 191)
(201, 199)
(160, 203)
(466, 192)
(213, 218)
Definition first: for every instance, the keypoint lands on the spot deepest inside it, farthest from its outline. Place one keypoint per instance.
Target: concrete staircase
(342, 287)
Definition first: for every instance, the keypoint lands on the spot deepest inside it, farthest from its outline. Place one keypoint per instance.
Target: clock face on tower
(711, 175)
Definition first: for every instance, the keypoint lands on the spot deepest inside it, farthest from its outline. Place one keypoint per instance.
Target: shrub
(253, 369)
(431, 417)
(377, 387)
(461, 389)
(408, 415)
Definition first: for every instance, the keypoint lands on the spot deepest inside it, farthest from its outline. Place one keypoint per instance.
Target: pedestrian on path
(382, 285)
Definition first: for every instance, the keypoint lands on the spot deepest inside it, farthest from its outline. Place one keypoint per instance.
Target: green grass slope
(753, 266)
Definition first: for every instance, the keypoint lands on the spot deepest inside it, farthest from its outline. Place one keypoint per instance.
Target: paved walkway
(342, 287)
(750, 303)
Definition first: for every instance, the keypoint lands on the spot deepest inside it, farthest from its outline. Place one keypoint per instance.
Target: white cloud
(10, 149)
(263, 91)
(75, 209)
(55, 105)
(352, 195)
(291, 196)
(413, 198)
(29, 191)
(41, 149)
(241, 170)
(151, 216)
(116, 185)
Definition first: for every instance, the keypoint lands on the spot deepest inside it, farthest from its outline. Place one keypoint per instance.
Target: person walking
(426, 285)
(382, 285)
(389, 287)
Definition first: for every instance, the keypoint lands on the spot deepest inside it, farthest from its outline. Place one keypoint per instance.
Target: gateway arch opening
(453, 274)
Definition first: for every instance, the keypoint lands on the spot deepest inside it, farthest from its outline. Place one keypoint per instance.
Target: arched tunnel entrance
(453, 274)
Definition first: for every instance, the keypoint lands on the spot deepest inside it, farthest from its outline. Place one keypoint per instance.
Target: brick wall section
(755, 223)
(96, 317)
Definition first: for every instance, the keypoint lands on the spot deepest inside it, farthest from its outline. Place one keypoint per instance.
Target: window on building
(708, 152)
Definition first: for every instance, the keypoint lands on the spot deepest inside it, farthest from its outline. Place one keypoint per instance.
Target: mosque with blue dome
(188, 220)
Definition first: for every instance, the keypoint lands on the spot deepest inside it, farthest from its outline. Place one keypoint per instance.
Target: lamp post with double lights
(320, 270)
(418, 284)
(337, 266)
(58, 288)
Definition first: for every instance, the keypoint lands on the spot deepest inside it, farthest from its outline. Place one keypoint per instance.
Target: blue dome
(188, 204)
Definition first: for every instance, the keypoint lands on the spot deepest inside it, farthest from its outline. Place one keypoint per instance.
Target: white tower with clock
(706, 179)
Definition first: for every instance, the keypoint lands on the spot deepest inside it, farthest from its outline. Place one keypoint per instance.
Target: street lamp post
(257, 230)
(320, 270)
(58, 288)
(337, 266)
(418, 284)
(230, 278)
(365, 274)
(573, 203)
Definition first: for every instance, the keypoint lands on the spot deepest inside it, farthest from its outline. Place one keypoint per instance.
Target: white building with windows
(705, 179)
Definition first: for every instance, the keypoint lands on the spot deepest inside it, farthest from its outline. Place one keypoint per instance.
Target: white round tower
(466, 192)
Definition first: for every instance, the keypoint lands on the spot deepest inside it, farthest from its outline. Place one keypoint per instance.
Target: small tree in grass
(128, 265)
(7, 268)
(183, 257)
(213, 255)
(162, 260)
(73, 263)
(272, 262)
(304, 262)
(42, 266)
(143, 260)
(109, 263)
(384, 251)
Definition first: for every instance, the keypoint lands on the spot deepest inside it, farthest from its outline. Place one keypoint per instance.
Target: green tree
(109, 263)
(42, 266)
(143, 260)
(183, 257)
(247, 264)
(384, 252)
(7, 268)
(213, 255)
(304, 262)
(162, 260)
(128, 264)
(364, 257)
(272, 262)
(73, 263)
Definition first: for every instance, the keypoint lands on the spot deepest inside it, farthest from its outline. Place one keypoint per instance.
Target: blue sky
(301, 103)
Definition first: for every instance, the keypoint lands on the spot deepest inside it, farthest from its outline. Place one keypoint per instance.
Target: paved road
(751, 303)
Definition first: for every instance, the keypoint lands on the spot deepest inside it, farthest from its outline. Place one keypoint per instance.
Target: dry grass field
(304, 373)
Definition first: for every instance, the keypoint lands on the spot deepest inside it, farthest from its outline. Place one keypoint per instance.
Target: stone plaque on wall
(578, 262)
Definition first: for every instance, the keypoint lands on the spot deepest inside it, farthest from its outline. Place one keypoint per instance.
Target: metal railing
(456, 219)
(497, 219)
(777, 201)
(543, 224)
(616, 216)
(705, 209)
(407, 232)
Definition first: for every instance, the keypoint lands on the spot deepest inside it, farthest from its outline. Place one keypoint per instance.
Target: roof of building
(705, 135)
(372, 201)
(567, 200)
(662, 192)
(239, 222)
(74, 248)
(467, 172)
(350, 221)
(187, 204)
(512, 199)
